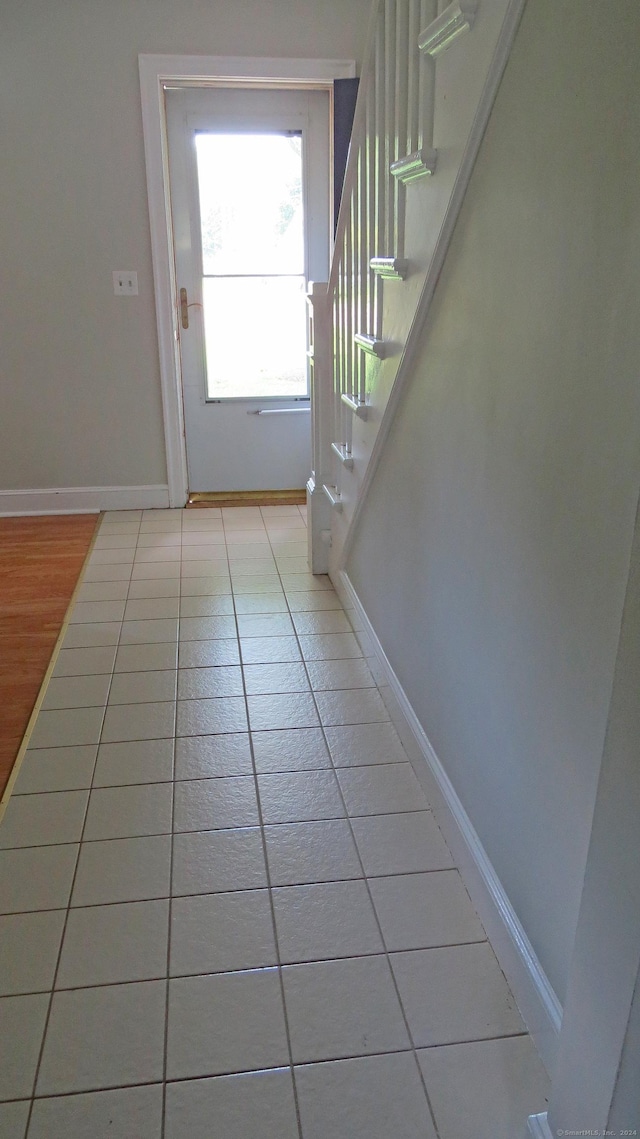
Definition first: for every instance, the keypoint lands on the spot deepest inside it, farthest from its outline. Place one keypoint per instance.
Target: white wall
(81, 399)
(493, 552)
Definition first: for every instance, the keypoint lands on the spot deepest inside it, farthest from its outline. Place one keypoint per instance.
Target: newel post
(321, 368)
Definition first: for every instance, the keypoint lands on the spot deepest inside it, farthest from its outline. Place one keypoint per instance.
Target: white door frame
(156, 71)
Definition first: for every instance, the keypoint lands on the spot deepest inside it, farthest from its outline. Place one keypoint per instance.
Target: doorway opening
(158, 75)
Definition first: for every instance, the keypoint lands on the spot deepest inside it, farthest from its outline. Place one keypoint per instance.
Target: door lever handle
(185, 306)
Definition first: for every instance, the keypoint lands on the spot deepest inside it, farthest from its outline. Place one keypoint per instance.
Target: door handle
(185, 306)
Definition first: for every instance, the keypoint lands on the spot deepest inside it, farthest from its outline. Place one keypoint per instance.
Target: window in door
(251, 202)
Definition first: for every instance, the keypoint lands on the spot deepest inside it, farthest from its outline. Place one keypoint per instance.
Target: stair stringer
(467, 78)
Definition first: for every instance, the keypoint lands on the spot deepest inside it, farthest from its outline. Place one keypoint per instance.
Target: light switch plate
(125, 283)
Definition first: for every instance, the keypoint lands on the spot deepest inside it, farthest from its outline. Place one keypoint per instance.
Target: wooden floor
(40, 562)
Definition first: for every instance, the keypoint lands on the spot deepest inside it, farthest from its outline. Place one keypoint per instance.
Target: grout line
(270, 895)
(64, 928)
(171, 857)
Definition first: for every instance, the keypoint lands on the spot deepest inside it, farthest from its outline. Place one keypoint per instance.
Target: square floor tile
(135, 761)
(97, 572)
(157, 554)
(372, 1097)
(109, 1036)
(422, 911)
(269, 650)
(129, 812)
(331, 675)
(251, 567)
(329, 622)
(144, 609)
(29, 945)
(66, 727)
(208, 654)
(103, 591)
(292, 565)
(147, 658)
(119, 1114)
(154, 587)
(40, 820)
(205, 567)
(143, 687)
(455, 994)
(216, 933)
(147, 571)
(201, 683)
(264, 625)
(150, 632)
(13, 1119)
(151, 721)
(216, 804)
(324, 920)
(291, 749)
(104, 945)
(56, 769)
(111, 557)
(219, 605)
(357, 745)
(123, 870)
(251, 603)
(208, 717)
(401, 844)
(94, 635)
(228, 1022)
(207, 757)
(85, 662)
(36, 878)
(218, 585)
(299, 796)
(90, 611)
(343, 1008)
(271, 678)
(295, 582)
(110, 541)
(21, 1029)
(168, 536)
(500, 1082)
(256, 583)
(313, 600)
(207, 628)
(311, 852)
(381, 789)
(243, 1106)
(282, 710)
(212, 862)
(360, 706)
(329, 646)
(213, 548)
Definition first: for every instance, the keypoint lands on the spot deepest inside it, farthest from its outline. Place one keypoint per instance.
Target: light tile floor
(227, 908)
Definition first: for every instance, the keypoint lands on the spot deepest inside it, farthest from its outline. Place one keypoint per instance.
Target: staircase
(429, 78)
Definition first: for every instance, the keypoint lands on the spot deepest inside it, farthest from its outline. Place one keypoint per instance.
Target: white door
(249, 182)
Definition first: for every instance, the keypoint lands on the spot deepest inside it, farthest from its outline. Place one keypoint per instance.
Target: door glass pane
(250, 188)
(255, 336)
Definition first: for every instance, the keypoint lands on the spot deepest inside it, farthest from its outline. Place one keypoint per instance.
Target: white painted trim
(82, 499)
(371, 344)
(538, 1127)
(457, 19)
(413, 166)
(535, 997)
(463, 178)
(155, 71)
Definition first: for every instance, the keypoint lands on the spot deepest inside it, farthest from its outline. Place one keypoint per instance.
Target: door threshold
(219, 498)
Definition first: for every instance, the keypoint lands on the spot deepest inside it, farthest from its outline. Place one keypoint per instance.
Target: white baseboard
(539, 1005)
(82, 499)
(538, 1127)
